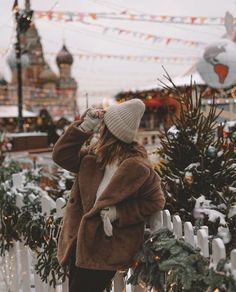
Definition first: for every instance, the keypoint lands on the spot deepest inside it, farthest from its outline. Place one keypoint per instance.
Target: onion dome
(64, 57)
(11, 60)
(47, 75)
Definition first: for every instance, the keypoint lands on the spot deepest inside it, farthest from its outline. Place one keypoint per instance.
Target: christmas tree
(198, 171)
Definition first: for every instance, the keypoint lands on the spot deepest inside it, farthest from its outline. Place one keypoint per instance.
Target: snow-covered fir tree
(198, 169)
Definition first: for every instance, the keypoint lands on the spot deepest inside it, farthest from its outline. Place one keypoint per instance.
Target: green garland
(29, 225)
(41, 235)
(168, 264)
(47, 266)
(8, 169)
(8, 216)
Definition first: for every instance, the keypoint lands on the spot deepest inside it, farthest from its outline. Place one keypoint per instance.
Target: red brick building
(42, 88)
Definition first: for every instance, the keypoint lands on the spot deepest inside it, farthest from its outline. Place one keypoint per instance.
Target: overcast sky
(106, 77)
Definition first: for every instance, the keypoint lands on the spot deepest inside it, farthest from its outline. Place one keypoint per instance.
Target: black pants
(86, 280)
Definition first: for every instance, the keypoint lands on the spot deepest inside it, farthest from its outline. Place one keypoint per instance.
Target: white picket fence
(18, 265)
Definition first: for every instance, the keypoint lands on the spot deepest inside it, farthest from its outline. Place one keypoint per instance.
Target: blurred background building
(42, 88)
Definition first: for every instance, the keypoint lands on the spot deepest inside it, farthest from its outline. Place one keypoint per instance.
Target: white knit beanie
(123, 119)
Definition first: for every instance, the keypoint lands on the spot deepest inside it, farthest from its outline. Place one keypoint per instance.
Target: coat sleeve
(67, 151)
(139, 208)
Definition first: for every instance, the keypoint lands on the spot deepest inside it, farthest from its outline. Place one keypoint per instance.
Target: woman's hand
(91, 119)
(96, 113)
(110, 212)
(108, 216)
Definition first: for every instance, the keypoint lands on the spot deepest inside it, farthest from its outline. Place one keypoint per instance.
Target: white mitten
(108, 216)
(110, 212)
(89, 123)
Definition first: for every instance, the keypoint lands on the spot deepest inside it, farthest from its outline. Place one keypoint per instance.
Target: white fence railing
(18, 265)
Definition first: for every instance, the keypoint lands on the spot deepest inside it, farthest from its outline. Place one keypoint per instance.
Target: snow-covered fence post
(65, 286)
(14, 263)
(48, 204)
(25, 267)
(17, 179)
(38, 284)
(14, 268)
(218, 251)
(155, 221)
(202, 241)
(206, 229)
(233, 262)
(24, 257)
(119, 282)
(60, 204)
(177, 227)
(188, 233)
(167, 220)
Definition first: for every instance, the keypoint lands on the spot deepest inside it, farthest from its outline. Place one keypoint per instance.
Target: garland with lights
(169, 264)
(47, 265)
(28, 224)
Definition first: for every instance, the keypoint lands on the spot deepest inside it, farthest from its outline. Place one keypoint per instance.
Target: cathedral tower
(27, 5)
(64, 61)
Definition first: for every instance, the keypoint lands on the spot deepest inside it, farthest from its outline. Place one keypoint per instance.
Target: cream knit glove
(108, 216)
(89, 123)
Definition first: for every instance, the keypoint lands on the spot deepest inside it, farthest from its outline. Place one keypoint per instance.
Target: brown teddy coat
(135, 191)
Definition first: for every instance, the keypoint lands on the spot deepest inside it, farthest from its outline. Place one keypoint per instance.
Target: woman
(114, 192)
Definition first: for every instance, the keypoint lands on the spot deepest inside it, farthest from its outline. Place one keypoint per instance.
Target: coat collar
(126, 181)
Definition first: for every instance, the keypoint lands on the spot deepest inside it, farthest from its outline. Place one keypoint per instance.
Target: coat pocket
(125, 243)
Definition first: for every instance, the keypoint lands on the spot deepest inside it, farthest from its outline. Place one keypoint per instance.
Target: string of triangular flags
(138, 58)
(146, 36)
(78, 16)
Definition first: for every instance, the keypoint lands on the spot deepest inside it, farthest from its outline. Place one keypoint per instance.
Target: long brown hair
(109, 149)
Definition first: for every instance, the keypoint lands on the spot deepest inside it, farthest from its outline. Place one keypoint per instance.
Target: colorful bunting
(119, 31)
(137, 58)
(159, 59)
(77, 16)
